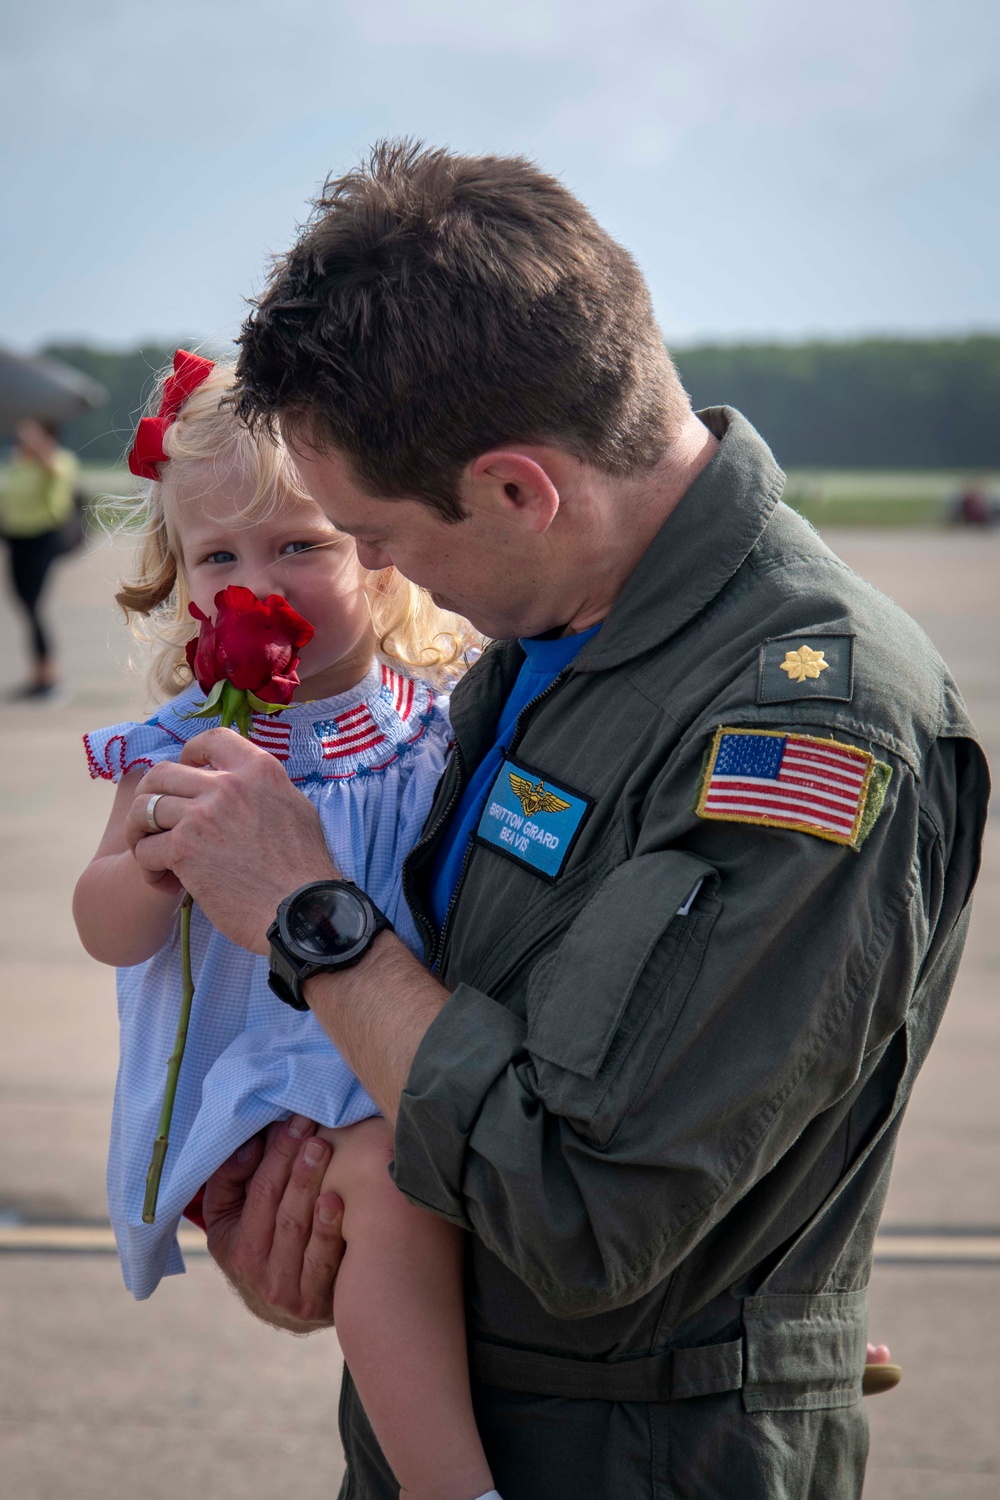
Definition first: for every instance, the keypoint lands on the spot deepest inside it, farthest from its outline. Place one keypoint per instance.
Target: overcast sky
(778, 167)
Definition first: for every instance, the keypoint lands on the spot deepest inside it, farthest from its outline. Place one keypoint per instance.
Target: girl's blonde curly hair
(410, 630)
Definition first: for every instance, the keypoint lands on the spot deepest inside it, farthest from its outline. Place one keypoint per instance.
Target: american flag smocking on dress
(349, 733)
(269, 734)
(401, 689)
(357, 730)
(787, 781)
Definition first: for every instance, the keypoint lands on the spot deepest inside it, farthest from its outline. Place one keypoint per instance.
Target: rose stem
(229, 705)
(173, 1069)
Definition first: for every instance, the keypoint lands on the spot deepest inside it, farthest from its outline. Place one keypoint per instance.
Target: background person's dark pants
(31, 557)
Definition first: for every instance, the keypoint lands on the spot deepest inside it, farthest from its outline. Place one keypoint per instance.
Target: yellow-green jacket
(34, 500)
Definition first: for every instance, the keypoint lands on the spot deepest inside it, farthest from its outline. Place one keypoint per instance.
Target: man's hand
(276, 1237)
(238, 835)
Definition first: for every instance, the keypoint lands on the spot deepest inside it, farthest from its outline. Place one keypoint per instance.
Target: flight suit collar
(702, 543)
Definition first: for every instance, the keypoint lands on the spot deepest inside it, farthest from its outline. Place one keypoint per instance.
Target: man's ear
(519, 485)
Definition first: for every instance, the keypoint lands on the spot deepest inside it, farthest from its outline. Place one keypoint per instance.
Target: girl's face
(295, 551)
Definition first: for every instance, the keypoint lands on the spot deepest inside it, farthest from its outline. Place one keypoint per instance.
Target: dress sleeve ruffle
(113, 752)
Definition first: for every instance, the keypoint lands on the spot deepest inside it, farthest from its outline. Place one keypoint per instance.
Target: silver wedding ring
(151, 823)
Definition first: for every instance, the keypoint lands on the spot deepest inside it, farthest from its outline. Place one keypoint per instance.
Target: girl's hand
(124, 913)
(237, 835)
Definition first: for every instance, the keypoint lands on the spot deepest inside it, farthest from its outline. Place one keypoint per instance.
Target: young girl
(365, 742)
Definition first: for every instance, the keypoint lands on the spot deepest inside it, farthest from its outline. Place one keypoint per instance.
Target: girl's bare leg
(399, 1310)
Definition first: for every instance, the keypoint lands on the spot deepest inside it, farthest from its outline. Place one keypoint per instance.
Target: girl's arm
(121, 918)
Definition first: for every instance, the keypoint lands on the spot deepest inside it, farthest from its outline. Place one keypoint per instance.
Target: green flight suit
(669, 1127)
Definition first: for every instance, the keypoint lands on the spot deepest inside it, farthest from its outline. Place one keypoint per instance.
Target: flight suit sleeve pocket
(629, 937)
(804, 1353)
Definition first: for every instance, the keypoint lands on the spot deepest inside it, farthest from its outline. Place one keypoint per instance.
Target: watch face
(327, 923)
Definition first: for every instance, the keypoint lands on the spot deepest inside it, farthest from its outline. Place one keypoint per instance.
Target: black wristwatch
(320, 928)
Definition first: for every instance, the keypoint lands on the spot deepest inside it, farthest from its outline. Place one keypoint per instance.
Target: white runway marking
(899, 1246)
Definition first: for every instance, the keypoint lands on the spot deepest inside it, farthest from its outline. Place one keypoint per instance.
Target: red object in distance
(254, 644)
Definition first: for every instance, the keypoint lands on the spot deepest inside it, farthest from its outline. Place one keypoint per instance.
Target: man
(694, 886)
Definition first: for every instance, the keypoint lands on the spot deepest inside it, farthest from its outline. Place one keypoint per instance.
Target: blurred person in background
(36, 503)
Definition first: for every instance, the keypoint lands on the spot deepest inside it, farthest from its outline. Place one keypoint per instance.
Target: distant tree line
(871, 404)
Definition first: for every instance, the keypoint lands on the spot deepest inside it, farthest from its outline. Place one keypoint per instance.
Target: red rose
(254, 644)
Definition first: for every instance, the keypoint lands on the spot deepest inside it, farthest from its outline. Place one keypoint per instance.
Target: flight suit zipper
(419, 915)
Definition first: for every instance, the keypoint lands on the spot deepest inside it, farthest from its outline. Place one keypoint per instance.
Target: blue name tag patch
(532, 820)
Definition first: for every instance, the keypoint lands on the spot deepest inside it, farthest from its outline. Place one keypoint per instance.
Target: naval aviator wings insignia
(534, 798)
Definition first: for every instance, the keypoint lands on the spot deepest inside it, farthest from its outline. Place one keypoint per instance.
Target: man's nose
(372, 557)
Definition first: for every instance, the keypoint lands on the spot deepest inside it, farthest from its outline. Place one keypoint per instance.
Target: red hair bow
(190, 371)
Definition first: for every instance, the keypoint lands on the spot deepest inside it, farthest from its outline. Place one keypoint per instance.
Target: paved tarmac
(185, 1394)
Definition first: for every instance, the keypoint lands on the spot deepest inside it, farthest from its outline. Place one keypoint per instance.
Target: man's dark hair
(436, 306)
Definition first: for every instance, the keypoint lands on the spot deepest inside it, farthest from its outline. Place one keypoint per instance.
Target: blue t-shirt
(544, 660)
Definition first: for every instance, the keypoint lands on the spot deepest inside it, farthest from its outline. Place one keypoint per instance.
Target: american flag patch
(269, 734)
(787, 781)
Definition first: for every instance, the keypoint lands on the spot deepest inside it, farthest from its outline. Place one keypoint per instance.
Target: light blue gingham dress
(369, 761)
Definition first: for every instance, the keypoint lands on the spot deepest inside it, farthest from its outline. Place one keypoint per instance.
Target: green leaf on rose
(210, 708)
(260, 707)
